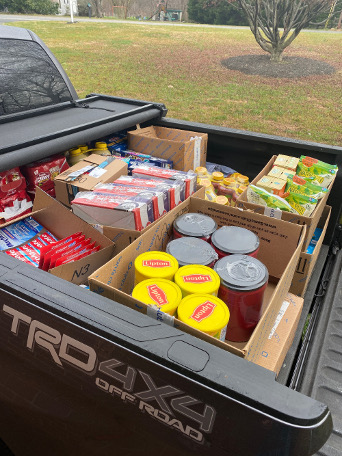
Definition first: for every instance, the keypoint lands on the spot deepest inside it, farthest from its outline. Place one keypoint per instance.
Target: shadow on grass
(290, 67)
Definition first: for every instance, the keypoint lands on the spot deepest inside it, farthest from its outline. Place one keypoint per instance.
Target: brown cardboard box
(169, 143)
(282, 333)
(124, 237)
(67, 189)
(310, 222)
(307, 261)
(115, 280)
(57, 219)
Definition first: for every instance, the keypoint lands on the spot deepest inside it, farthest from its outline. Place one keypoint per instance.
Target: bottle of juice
(216, 179)
(229, 188)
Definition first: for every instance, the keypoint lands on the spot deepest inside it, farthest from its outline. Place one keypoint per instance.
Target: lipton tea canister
(155, 264)
(159, 292)
(205, 313)
(196, 278)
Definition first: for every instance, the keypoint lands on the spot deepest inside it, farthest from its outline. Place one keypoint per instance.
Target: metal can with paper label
(159, 292)
(195, 225)
(206, 313)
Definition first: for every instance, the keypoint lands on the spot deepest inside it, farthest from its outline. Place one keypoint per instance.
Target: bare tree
(276, 23)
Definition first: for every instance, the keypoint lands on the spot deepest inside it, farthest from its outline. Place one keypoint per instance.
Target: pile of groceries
(293, 184)
(28, 241)
(208, 277)
(222, 187)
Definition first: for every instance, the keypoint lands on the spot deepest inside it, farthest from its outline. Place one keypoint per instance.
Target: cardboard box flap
(43, 200)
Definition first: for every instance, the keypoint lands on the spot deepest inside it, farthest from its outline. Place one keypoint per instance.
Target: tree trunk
(276, 55)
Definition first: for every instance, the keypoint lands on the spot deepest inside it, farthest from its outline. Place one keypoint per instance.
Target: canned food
(205, 313)
(243, 283)
(194, 225)
(159, 292)
(191, 250)
(196, 278)
(155, 264)
(229, 240)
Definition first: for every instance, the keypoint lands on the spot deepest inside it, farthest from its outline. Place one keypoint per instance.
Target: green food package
(301, 204)
(300, 186)
(257, 195)
(316, 171)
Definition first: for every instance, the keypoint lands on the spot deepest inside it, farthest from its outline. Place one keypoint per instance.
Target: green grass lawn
(181, 67)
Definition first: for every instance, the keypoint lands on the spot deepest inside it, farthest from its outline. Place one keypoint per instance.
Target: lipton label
(203, 311)
(197, 278)
(156, 263)
(157, 294)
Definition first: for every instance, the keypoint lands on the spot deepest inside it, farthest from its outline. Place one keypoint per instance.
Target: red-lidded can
(243, 283)
(191, 250)
(234, 240)
(194, 225)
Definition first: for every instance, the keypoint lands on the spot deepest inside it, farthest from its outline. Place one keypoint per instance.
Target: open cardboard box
(310, 222)
(282, 334)
(280, 246)
(307, 261)
(62, 223)
(170, 143)
(124, 237)
(73, 180)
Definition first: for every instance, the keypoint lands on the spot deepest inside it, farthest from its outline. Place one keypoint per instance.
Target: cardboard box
(123, 237)
(310, 222)
(282, 334)
(75, 179)
(306, 262)
(57, 219)
(187, 149)
(115, 280)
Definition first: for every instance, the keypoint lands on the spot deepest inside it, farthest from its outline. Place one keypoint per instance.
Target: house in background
(64, 7)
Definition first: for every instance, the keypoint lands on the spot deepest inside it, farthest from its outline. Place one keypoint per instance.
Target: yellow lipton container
(160, 292)
(155, 265)
(205, 312)
(196, 278)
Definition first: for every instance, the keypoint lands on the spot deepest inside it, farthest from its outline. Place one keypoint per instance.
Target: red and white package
(11, 181)
(113, 210)
(154, 172)
(77, 248)
(54, 245)
(15, 253)
(15, 205)
(43, 172)
(156, 196)
(76, 256)
(59, 250)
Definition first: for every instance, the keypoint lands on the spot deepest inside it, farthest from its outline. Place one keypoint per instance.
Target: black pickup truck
(51, 406)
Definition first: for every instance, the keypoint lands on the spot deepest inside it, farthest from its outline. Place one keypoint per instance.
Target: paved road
(7, 18)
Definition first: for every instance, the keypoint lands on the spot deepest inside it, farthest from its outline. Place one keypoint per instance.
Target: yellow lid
(204, 312)
(201, 170)
(229, 181)
(242, 179)
(159, 292)
(197, 278)
(155, 264)
(217, 176)
(101, 145)
(206, 183)
(83, 147)
(75, 151)
(221, 199)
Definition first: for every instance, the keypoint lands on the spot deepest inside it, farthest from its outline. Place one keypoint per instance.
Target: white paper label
(272, 212)
(197, 152)
(280, 315)
(155, 313)
(74, 175)
(97, 172)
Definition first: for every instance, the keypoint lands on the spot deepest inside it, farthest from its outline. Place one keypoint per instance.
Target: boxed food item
(120, 211)
(272, 184)
(49, 221)
(153, 172)
(282, 334)
(86, 174)
(309, 221)
(287, 162)
(308, 259)
(116, 279)
(186, 149)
